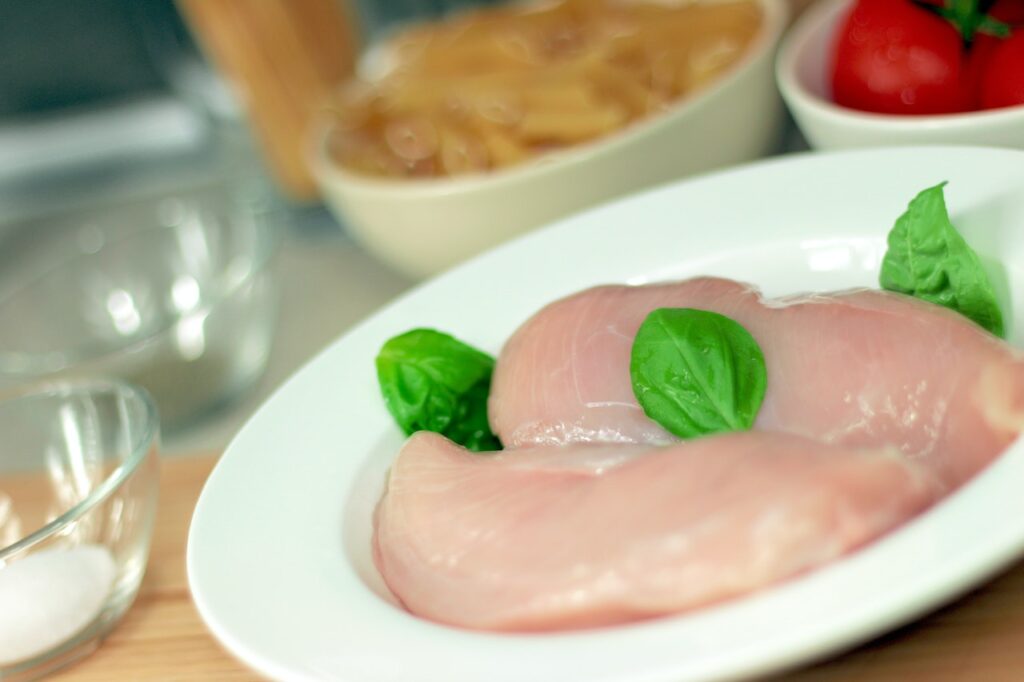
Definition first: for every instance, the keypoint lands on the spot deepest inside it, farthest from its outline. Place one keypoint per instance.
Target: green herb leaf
(928, 258)
(433, 382)
(696, 372)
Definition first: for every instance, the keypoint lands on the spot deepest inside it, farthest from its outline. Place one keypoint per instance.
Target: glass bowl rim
(266, 243)
(140, 448)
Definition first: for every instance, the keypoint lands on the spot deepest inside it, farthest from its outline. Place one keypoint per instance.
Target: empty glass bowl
(170, 291)
(78, 493)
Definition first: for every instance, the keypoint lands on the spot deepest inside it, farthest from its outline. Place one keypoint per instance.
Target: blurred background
(108, 104)
(157, 220)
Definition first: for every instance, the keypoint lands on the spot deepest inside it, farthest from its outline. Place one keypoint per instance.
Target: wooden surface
(981, 637)
(162, 637)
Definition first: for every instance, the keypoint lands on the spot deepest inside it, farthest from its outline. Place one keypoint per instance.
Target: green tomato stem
(970, 17)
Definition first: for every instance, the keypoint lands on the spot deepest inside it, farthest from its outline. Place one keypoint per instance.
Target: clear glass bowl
(171, 291)
(78, 493)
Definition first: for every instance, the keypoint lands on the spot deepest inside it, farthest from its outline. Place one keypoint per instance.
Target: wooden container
(283, 58)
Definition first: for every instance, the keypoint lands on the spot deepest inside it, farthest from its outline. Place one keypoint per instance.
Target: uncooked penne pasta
(500, 86)
(566, 126)
(504, 148)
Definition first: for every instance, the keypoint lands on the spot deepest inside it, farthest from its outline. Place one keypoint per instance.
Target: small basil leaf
(433, 382)
(928, 258)
(696, 372)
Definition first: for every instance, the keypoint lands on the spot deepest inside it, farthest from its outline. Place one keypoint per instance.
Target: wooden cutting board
(981, 637)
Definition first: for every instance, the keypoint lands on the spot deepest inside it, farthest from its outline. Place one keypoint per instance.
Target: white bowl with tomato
(859, 73)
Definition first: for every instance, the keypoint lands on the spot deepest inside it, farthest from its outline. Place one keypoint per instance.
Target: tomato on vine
(928, 56)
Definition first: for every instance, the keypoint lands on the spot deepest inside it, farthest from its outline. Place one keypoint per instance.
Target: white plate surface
(278, 553)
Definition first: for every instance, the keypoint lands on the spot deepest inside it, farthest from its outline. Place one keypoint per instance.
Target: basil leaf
(928, 258)
(696, 372)
(433, 382)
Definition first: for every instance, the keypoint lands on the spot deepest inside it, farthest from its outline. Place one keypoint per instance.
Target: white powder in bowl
(49, 596)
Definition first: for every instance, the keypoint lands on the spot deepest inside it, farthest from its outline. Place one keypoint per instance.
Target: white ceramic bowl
(421, 227)
(802, 72)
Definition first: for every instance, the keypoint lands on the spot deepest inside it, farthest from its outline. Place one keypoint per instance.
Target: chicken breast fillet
(579, 536)
(863, 368)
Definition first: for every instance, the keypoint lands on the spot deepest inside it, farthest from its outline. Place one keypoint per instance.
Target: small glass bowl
(78, 493)
(171, 291)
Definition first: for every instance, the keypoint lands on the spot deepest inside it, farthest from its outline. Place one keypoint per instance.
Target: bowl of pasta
(461, 134)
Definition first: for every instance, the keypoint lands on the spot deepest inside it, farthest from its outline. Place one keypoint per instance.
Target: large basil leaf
(928, 258)
(434, 382)
(696, 372)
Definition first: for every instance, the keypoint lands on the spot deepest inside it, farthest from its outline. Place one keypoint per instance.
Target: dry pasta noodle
(499, 86)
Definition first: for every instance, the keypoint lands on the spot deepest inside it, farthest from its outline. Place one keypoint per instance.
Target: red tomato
(1010, 11)
(978, 57)
(977, 64)
(1002, 81)
(897, 58)
(985, 45)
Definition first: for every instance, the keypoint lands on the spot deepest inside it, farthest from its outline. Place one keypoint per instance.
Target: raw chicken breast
(588, 535)
(864, 368)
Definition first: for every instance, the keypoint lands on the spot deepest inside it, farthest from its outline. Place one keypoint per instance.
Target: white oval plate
(279, 549)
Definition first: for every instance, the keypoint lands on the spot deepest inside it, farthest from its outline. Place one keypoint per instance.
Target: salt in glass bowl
(78, 493)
